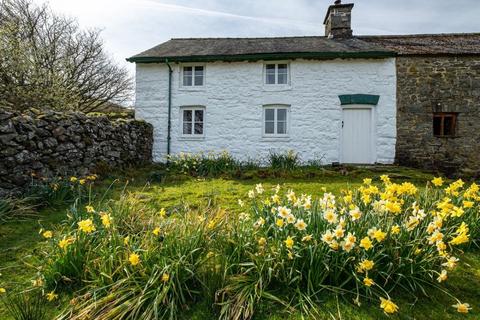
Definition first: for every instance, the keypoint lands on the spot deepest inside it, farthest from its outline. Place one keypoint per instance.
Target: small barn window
(444, 124)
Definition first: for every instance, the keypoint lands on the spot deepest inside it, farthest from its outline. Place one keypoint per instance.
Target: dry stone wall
(439, 84)
(44, 144)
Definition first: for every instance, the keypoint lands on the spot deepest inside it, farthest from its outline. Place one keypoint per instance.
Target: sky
(131, 26)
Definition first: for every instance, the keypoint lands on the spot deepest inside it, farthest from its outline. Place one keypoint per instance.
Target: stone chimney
(338, 21)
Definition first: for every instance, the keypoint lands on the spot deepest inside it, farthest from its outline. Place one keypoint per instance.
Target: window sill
(202, 88)
(276, 138)
(276, 87)
(448, 137)
(192, 138)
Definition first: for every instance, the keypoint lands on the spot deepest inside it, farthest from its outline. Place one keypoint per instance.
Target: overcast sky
(131, 26)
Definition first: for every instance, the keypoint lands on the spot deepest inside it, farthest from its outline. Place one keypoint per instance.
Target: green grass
(20, 242)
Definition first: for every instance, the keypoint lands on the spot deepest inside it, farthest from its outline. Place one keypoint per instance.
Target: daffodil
(462, 307)
(289, 242)
(368, 282)
(291, 219)
(259, 188)
(300, 225)
(156, 231)
(330, 216)
(262, 242)
(284, 212)
(162, 213)
(442, 276)
(280, 223)
(437, 182)
(3, 290)
(367, 181)
(47, 234)
(51, 296)
(395, 229)
(388, 306)
(65, 242)
(355, 214)
(451, 263)
(86, 226)
(366, 243)
(106, 220)
(379, 235)
(165, 277)
(307, 238)
(134, 259)
(73, 179)
(90, 209)
(328, 236)
(366, 265)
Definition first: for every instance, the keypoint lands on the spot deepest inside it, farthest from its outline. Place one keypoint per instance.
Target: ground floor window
(275, 120)
(444, 124)
(193, 121)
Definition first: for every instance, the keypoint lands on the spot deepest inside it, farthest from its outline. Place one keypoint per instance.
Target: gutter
(267, 56)
(169, 125)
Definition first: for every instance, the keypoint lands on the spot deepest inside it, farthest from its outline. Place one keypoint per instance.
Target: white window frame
(193, 66)
(192, 135)
(275, 123)
(276, 63)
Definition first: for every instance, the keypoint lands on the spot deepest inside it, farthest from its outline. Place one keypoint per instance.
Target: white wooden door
(357, 136)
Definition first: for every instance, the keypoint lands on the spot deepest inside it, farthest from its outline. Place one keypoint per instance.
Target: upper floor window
(276, 73)
(444, 124)
(193, 76)
(275, 120)
(193, 121)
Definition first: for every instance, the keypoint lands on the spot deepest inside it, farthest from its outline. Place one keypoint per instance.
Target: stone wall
(52, 143)
(438, 84)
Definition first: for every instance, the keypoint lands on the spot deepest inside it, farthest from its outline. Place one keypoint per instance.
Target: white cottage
(331, 98)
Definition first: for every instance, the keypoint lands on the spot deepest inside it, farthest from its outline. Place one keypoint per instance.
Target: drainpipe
(169, 125)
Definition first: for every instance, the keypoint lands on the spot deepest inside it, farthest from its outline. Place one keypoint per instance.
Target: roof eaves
(264, 56)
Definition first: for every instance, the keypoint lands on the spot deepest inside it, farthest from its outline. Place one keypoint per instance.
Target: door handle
(342, 124)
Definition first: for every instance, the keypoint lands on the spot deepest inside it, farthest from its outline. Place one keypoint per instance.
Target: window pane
(187, 76)
(448, 126)
(198, 115)
(270, 74)
(187, 115)
(187, 128)
(437, 124)
(282, 114)
(269, 114)
(199, 76)
(282, 127)
(198, 127)
(269, 127)
(282, 74)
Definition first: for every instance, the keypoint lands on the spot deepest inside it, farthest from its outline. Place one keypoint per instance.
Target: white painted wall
(234, 95)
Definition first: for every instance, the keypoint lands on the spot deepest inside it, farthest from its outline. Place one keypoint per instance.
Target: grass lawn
(20, 242)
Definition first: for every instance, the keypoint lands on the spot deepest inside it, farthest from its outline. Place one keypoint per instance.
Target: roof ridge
(237, 38)
(420, 35)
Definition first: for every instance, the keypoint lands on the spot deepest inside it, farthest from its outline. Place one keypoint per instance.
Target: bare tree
(47, 61)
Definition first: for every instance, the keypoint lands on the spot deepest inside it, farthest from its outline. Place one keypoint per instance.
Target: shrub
(203, 164)
(372, 243)
(284, 161)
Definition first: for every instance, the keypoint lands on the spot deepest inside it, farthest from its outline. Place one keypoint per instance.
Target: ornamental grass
(129, 260)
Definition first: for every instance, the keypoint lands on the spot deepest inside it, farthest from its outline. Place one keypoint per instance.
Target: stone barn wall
(427, 84)
(52, 143)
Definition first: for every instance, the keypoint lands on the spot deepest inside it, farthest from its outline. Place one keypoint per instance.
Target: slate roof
(314, 47)
(429, 44)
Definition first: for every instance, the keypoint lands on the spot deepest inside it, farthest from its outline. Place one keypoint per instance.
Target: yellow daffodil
(395, 229)
(262, 242)
(3, 290)
(460, 239)
(52, 296)
(37, 282)
(468, 204)
(86, 226)
(82, 181)
(90, 209)
(451, 263)
(280, 223)
(73, 179)
(106, 220)
(289, 242)
(379, 235)
(385, 178)
(366, 265)
(388, 306)
(307, 238)
(47, 234)
(156, 231)
(330, 216)
(367, 181)
(339, 232)
(165, 277)
(126, 240)
(368, 282)
(366, 243)
(442, 276)
(462, 307)
(134, 259)
(162, 213)
(328, 236)
(437, 182)
(65, 242)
